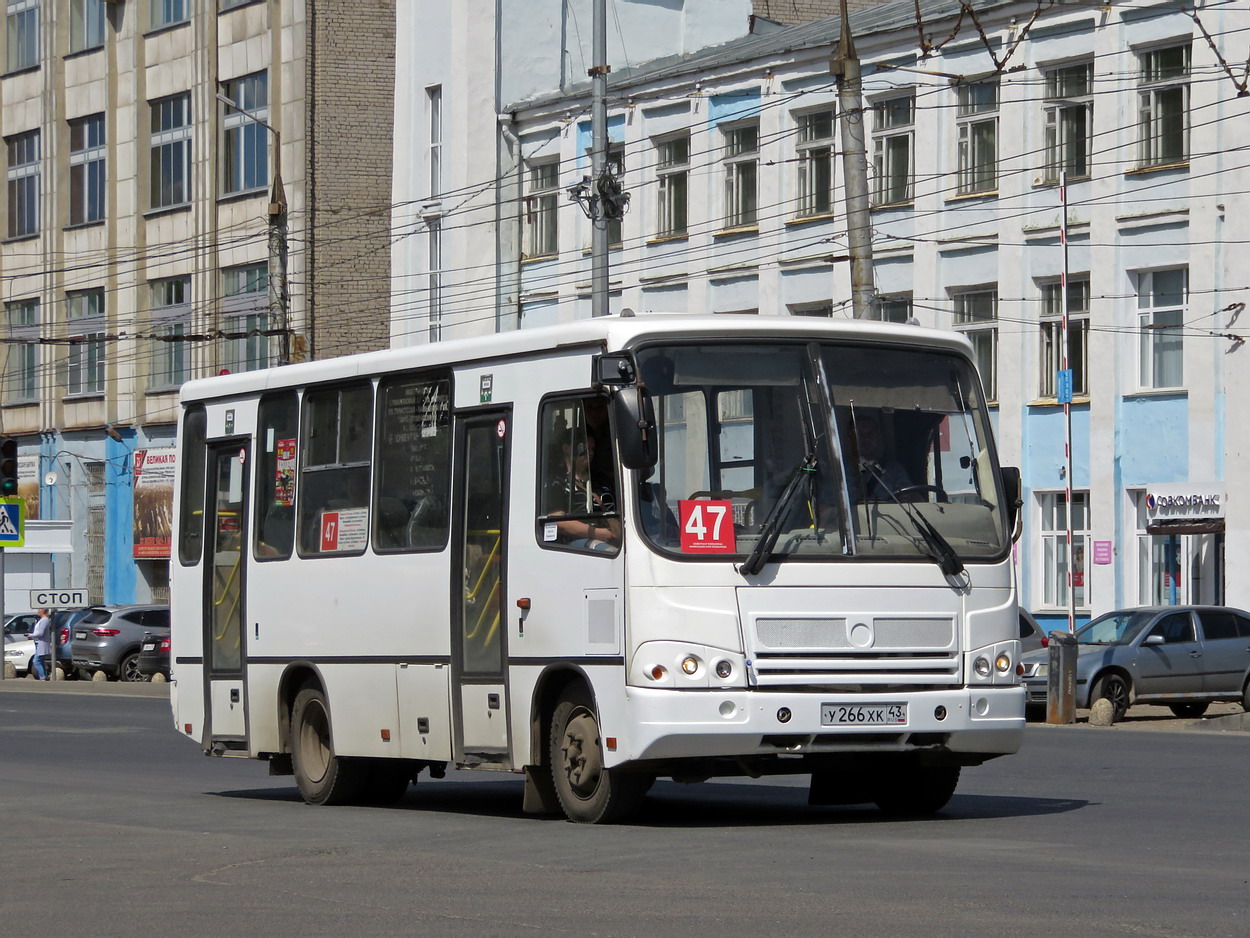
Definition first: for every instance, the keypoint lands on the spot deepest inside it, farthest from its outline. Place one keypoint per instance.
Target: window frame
(248, 310)
(740, 156)
(24, 180)
(87, 360)
(21, 361)
(1068, 149)
(87, 19)
(816, 177)
(893, 140)
(170, 151)
(546, 527)
(1052, 548)
(896, 307)
(164, 13)
(542, 231)
(975, 116)
(340, 471)
(1154, 335)
(245, 142)
(434, 112)
(1050, 324)
(982, 332)
(672, 173)
(277, 459)
(22, 26)
(88, 170)
(1155, 89)
(170, 361)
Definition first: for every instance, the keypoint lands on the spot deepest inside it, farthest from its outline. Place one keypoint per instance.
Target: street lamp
(279, 297)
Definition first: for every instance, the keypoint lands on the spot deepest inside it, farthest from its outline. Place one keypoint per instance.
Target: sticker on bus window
(347, 529)
(707, 527)
(284, 475)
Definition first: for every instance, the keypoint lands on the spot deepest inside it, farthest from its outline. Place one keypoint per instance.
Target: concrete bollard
(1061, 678)
(1101, 712)
(9, 670)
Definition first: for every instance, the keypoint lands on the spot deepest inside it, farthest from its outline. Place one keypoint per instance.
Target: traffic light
(8, 466)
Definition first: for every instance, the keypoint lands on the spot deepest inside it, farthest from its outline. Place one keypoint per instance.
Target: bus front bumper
(678, 724)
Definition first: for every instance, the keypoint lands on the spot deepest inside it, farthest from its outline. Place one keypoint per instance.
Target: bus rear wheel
(322, 776)
(588, 792)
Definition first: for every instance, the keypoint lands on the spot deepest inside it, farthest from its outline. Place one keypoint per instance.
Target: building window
(1058, 571)
(1162, 296)
(895, 308)
(1052, 337)
(434, 106)
(741, 158)
(171, 151)
(541, 199)
(976, 316)
(977, 122)
(247, 142)
(86, 24)
(673, 175)
(245, 310)
(1069, 109)
(168, 13)
(893, 129)
(23, 184)
(22, 30)
(815, 150)
(434, 273)
(85, 326)
(225, 5)
(170, 323)
(822, 309)
(1163, 106)
(86, 169)
(21, 358)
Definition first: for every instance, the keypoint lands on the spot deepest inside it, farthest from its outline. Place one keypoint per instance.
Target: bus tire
(911, 790)
(588, 792)
(388, 781)
(322, 776)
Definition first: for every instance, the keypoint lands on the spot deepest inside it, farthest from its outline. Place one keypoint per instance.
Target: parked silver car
(1185, 657)
(1031, 635)
(108, 639)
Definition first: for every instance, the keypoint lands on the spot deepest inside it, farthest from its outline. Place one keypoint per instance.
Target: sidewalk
(1220, 718)
(23, 685)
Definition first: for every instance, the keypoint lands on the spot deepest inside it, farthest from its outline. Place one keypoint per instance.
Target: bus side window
(333, 488)
(413, 464)
(275, 476)
(192, 461)
(577, 477)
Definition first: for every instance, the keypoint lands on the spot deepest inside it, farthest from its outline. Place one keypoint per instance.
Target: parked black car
(154, 656)
(108, 638)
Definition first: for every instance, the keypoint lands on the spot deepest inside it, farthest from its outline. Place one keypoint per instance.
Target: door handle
(1195, 654)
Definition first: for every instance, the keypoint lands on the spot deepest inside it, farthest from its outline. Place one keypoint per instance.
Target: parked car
(1185, 657)
(107, 639)
(154, 656)
(20, 623)
(18, 649)
(1032, 637)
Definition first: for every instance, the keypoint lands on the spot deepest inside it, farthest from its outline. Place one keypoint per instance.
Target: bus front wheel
(912, 790)
(588, 792)
(323, 777)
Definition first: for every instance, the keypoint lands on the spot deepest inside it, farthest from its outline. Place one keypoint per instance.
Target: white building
(737, 207)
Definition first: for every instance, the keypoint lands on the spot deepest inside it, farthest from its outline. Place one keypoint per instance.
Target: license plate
(884, 714)
(80, 635)
(150, 646)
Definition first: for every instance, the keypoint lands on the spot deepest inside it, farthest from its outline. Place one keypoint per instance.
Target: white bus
(599, 554)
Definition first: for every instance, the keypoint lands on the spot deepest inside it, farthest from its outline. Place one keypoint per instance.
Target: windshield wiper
(939, 548)
(771, 529)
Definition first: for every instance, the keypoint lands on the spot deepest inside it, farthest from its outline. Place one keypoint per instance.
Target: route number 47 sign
(707, 527)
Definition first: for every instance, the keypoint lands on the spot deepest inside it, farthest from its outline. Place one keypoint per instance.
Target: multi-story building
(191, 187)
(973, 114)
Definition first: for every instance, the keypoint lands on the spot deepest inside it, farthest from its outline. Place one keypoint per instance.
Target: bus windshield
(822, 450)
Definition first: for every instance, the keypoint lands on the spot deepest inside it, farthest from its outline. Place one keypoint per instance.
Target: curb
(20, 685)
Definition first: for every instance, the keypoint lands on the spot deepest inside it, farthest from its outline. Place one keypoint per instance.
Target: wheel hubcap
(314, 746)
(583, 761)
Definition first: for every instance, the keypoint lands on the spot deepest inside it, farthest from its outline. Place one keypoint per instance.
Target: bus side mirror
(1012, 491)
(633, 417)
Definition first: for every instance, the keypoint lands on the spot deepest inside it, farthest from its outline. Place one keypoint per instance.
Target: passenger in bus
(572, 491)
(602, 467)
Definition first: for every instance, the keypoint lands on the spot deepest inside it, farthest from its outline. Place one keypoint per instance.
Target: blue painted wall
(733, 107)
(119, 524)
(1153, 444)
(585, 140)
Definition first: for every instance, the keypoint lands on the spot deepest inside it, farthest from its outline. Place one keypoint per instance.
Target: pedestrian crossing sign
(12, 522)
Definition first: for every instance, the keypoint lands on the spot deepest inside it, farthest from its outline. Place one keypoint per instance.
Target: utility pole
(279, 295)
(845, 67)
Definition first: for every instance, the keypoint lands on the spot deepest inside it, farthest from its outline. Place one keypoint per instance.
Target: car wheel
(588, 792)
(1245, 697)
(128, 669)
(1189, 711)
(1116, 689)
(322, 776)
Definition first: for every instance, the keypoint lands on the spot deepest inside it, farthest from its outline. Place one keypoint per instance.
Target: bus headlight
(1003, 663)
(724, 670)
(982, 666)
(690, 664)
(686, 664)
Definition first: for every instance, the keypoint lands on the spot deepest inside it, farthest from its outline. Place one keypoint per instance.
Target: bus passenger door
(225, 595)
(480, 701)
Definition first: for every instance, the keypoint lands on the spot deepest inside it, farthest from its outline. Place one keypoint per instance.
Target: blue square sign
(1065, 386)
(12, 522)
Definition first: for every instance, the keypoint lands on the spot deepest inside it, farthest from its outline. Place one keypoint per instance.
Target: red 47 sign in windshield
(707, 527)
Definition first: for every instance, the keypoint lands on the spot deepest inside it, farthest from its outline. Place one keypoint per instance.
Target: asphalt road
(115, 825)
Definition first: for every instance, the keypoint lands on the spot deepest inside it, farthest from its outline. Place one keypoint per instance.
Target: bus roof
(609, 333)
